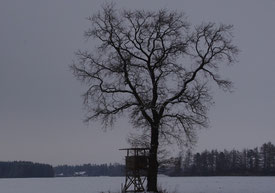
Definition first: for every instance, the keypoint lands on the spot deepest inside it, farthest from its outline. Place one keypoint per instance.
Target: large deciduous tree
(156, 68)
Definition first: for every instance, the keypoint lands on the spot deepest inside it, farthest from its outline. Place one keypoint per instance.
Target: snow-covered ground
(99, 184)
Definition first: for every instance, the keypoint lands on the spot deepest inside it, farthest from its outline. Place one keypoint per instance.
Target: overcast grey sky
(41, 108)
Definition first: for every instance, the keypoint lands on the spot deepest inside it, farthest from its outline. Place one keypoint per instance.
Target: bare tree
(156, 68)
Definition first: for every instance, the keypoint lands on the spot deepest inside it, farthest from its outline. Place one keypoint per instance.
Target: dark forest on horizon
(259, 161)
(25, 169)
(248, 162)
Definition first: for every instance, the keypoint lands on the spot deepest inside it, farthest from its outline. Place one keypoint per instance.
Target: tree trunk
(153, 162)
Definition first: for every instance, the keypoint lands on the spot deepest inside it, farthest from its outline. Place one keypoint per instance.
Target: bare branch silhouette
(156, 68)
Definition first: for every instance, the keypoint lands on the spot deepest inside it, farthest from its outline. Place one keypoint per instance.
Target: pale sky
(41, 109)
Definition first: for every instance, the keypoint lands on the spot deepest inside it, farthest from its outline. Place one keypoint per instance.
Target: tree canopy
(156, 68)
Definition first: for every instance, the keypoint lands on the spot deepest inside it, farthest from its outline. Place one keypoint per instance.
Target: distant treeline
(90, 170)
(23, 169)
(248, 162)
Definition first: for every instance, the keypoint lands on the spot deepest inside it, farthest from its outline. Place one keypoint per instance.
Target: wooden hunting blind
(136, 166)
